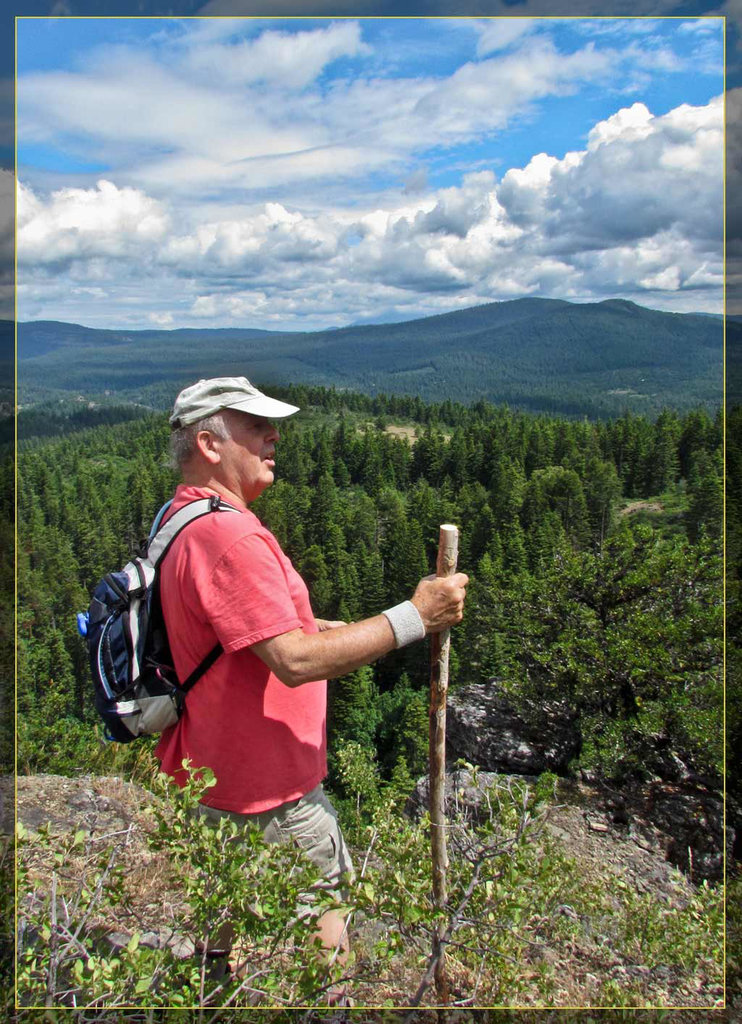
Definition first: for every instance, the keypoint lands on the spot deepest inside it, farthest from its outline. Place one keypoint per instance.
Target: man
(257, 718)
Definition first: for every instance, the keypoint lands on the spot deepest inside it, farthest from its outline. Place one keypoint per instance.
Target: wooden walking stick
(448, 550)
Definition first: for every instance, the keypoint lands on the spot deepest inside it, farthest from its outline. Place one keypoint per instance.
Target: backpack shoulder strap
(202, 668)
(166, 534)
(161, 541)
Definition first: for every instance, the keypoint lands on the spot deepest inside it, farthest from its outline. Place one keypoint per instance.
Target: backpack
(137, 691)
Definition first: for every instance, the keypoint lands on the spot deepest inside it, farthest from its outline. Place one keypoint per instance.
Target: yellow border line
(15, 511)
(546, 17)
(372, 17)
(724, 522)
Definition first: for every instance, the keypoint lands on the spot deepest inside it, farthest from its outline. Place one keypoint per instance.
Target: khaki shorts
(311, 821)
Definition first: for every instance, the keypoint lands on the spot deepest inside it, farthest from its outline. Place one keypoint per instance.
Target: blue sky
(308, 173)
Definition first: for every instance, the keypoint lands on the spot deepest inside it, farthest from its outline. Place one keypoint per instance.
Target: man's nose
(273, 434)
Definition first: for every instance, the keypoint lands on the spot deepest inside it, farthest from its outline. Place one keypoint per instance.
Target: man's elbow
(293, 676)
(292, 663)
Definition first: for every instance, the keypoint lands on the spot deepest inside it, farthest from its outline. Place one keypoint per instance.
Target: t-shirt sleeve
(247, 597)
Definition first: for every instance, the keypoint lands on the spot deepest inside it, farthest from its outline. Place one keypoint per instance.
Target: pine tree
(602, 491)
(705, 497)
(353, 712)
(514, 554)
(317, 578)
(662, 467)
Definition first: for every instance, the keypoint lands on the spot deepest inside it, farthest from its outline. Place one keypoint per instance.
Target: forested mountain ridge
(595, 359)
(40, 337)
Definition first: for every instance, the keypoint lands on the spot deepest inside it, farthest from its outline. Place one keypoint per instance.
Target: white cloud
(204, 31)
(249, 244)
(638, 177)
(664, 265)
(106, 221)
(667, 279)
(163, 320)
(700, 27)
(632, 122)
(417, 181)
(128, 101)
(500, 33)
(485, 95)
(637, 213)
(286, 60)
(251, 113)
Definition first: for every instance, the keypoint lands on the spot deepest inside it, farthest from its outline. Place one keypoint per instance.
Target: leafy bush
(223, 872)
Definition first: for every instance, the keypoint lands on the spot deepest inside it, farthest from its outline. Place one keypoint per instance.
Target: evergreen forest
(594, 550)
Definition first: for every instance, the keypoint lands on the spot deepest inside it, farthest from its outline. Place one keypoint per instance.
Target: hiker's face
(247, 457)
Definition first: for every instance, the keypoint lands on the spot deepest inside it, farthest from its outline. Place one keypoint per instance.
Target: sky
(299, 174)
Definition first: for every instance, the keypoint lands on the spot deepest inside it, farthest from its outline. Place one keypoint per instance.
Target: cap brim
(262, 405)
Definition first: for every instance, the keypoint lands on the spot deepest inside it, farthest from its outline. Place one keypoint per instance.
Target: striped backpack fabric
(137, 691)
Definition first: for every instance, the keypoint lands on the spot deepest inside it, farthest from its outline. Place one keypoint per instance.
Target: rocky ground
(581, 822)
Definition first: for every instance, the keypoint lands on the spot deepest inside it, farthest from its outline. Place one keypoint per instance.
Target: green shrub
(224, 872)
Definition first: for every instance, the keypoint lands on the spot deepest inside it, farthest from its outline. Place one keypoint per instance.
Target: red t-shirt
(225, 579)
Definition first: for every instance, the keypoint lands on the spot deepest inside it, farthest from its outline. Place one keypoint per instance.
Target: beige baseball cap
(207, 397)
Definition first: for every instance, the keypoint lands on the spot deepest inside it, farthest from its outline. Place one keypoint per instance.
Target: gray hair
(183, 439)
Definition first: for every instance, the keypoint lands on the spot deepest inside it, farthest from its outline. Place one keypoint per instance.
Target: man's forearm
(298, 657)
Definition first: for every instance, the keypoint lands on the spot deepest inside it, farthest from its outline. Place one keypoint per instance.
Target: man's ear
(207, 445)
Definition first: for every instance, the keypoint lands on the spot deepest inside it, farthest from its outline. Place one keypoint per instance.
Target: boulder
(484, 728)
(693, 819)
(468, 792)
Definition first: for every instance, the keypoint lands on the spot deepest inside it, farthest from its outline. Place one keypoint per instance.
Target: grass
(663, 512)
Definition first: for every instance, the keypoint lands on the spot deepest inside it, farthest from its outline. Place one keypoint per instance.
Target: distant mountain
(43, 336)
(542, 354)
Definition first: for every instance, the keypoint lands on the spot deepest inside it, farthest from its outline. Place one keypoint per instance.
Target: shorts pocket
(308, 840)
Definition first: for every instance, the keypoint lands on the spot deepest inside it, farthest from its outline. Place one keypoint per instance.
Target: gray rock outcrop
(467, 793)
(485, 729)
(684, 811)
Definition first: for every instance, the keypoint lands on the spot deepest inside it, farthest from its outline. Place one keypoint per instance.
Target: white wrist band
(406, 622)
